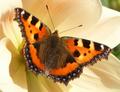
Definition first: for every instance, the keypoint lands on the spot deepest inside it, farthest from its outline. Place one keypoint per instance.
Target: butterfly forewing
(85, 51)
(31, 27)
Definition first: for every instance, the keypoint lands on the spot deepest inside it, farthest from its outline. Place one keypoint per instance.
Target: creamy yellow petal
(6, 83)
(107, 13)
(6, 5)
(106, 31)
(7, 26)
(65, 13)
(43, 84)
(102, 77)
(1, 32)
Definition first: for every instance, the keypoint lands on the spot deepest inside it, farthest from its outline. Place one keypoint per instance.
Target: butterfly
(59, 58)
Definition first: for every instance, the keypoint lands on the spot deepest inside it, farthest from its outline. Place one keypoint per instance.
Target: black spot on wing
(86, 43)
(76, 42)
(41, 25)
(29, 26)
(70, 59)
(26, 15)
(89, 51)
(30, 31)
(76, 53)
(97, 46)
(36, 36)
(36, 45)
(34, 20)
(70, 76)
(84, 54)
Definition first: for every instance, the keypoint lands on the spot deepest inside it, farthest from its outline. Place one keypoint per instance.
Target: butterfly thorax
(53, 52)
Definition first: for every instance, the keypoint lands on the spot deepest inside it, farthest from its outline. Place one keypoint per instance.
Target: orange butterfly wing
(85, 51)
(82, 52)
(32, 29)
(70, 71)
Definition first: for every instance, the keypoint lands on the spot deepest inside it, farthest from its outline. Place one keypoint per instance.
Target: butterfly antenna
(70, 29)
(50, 16)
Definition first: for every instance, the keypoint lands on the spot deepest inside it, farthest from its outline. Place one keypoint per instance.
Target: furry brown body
(53, 52)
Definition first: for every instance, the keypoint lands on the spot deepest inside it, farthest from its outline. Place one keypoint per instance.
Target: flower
(64, 15)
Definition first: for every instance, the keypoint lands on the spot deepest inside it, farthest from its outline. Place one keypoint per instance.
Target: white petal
(106, 31)
(11, 29)
(43, 84)
(6, 83)
(6, 5)
(16, 66)
(107, 13)
(7, 26)
(102, 77)
(66, 13)
(5, 57)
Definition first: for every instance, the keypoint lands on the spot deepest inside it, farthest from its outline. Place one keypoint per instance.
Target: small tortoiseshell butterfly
(60, 58)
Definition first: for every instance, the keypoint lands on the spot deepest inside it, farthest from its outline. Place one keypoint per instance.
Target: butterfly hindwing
(31, 27)
(33, 61)
(63, 75)
(85, 51)
(69, 72)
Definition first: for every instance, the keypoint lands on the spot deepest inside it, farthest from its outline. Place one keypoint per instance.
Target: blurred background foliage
(113, 4)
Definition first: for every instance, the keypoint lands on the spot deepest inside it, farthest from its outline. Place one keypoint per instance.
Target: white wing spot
(23, 12)
(102, 47)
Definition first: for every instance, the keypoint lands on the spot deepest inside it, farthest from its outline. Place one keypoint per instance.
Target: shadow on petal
(17, 66)
(108, 72)
(1, 91)
(43, 84)
(101, 77)
(1, 31)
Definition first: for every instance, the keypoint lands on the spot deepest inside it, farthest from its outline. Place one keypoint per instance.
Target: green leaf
(116, 51)
(105, 2)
